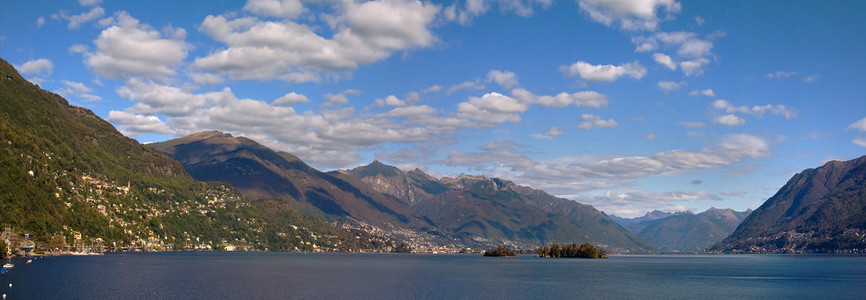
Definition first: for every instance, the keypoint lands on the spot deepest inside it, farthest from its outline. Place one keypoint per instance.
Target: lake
(236, 275)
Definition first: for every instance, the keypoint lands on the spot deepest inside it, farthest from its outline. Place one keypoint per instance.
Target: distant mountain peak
(208, 134)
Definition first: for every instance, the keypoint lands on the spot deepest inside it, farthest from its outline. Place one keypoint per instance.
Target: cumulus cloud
(729, 120)
(694, 67)
(665, 60)
(589, 99)
(706, 92)
(492, 108)
(363, 33)
(667, 86)
(288, 9)
(35, 67)
(591, 72)
(130, 49)
(504, 79)
(630, 14)
(134, 125)
(291, 99)
(466, 85)
(474, 8)
(340, 98)
(588, 121)
(391, 100)
(79, 90)
(757, 110)
(693, 51)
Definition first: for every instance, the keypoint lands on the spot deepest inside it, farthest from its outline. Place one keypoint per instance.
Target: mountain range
(685, 231)
(818, 210)
(467, 211)
(70, 178)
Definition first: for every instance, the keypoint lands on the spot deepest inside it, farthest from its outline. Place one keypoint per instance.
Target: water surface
(209, 275)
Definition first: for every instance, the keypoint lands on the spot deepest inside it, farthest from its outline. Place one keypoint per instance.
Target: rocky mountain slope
(409, 206)
(818, 210)
(686, 231)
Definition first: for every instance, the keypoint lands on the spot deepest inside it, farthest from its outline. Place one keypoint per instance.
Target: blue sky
(627, 105)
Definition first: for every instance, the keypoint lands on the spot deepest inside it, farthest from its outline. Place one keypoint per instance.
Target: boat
(8, 265)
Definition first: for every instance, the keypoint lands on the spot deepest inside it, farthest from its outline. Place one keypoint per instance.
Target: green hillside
(66, 170)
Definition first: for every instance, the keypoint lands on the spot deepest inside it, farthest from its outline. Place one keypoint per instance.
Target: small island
(500, 251)
(571, 251)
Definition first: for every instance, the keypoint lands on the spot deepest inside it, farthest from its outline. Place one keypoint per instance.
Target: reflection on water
(399, 276)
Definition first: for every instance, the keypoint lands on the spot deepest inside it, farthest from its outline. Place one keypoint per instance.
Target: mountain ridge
(820, 209)
(426, 209)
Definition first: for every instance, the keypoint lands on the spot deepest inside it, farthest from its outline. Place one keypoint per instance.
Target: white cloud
(699, 21)
(549, 134)
(811, 78)
(694, 67)
(466, 85)
(75, 21)
(860, 141)
(590, 99)
(41, 66)
(736, 146)
(592, 72)
(418, 111)
(504, 79)
(630, 14)
(859, 125)
(650, 136)
(40, 21)
(206, 79)
(89, 2)
(363, 33)
(693, 52)
(134, 125)
(665, 60)
(574, 175)
(781, 74)
(79, 90)
(288, 9)
(131, 49)
(340, 98)
(291, 99)
(729, 120)
(667, 86)
(592, 121)
(779, 109)
(475, 8)
(706, 92)
(433, 89)
(391, 100)
(492, 108)
(152, 98)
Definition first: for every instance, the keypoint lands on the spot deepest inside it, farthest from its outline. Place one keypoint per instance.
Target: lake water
(227, 275)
